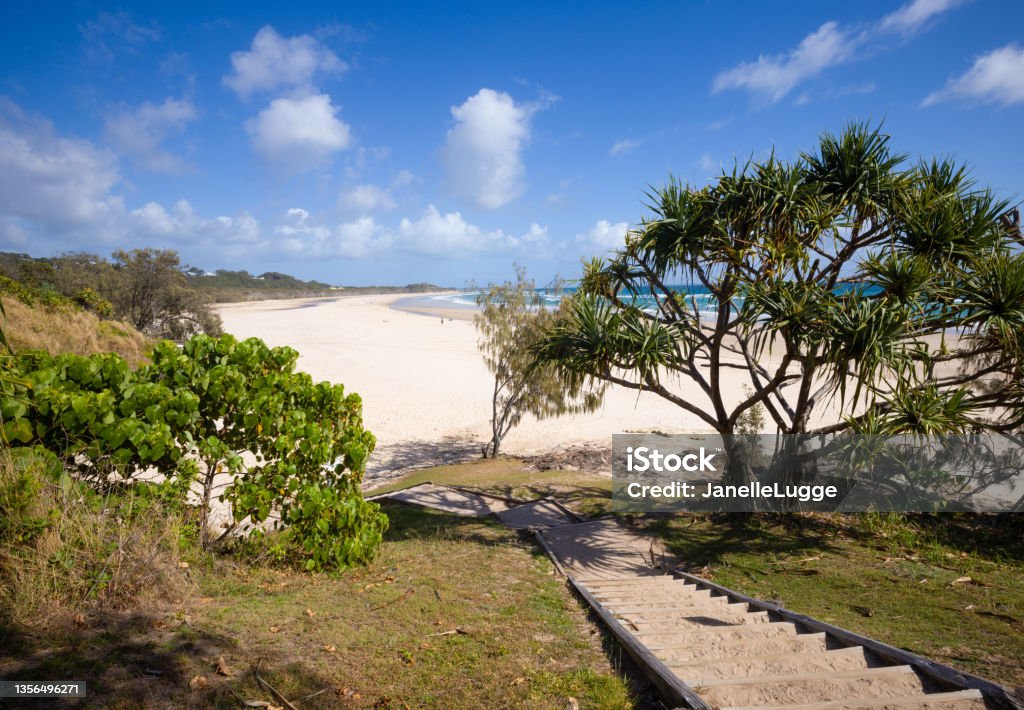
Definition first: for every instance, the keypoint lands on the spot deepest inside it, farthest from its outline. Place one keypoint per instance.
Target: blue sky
(364, 143)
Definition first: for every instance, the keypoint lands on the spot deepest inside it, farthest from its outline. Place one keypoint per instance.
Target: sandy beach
(425, 389)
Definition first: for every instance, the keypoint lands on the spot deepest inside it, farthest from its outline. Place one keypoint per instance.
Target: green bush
(88, 299)
(294, 450)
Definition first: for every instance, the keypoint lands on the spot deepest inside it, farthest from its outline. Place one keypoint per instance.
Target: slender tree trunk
(204, 511)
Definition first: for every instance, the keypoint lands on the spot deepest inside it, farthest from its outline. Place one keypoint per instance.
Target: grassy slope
(70, 330)
(370, 636)
(886, 577)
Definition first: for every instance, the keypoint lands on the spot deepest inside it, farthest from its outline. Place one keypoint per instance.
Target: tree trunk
(204, 512)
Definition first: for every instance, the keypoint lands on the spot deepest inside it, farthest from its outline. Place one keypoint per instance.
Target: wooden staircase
(725, 653)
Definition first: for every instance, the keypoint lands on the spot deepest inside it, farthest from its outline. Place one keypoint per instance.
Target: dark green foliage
(849, 277)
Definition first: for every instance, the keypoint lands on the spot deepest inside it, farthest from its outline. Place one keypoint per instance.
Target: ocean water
(463, 299)
(699, 295)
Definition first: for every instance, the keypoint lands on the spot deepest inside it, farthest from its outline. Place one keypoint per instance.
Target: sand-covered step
(955, 700)
(656, 594)
(658, 639)
(805, 688)
(696, 672)
(692, 621)
(598, 585)
(709, 606)
(714, 648)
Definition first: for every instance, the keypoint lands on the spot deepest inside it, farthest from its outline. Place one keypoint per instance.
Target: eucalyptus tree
(512, 318)
(851, 277)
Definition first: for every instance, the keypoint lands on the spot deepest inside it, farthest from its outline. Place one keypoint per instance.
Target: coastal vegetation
(511, 321)
(143, 287)
(851, 277)
(227, 286)
(287, 447)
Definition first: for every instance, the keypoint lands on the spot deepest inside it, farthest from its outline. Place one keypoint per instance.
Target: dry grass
(66, 552)
(59, 330)
(454, 612)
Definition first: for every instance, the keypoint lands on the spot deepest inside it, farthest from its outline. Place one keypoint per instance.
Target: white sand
(425, 389)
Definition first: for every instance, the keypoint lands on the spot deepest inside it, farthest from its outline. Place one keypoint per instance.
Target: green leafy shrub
(230, 416)
(88, 299)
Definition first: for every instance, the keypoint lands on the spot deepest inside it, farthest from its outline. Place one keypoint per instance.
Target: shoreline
(422, 306)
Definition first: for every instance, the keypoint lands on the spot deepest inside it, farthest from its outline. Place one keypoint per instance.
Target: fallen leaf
(310, 613)
(80, 619)
(518, 681)
(222, 667)
(329, 649)
(274, 629)
(961, 580)
(198, 681)
(572, 704)
(183, 565)
(256, 704)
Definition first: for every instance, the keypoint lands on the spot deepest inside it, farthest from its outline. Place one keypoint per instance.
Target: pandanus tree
(888, 290)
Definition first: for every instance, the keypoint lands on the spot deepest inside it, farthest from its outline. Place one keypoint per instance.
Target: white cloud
(182, 223)
(433, 234)
(366, 198)
(450, 234)
(140, 132)
(299, 133)
(604, 236)
(303, 238)
(626, 145)
(774, 77)
(707, 163)
(63, 184)
(275, 62)
(912, 16)
(58, 190)
(405, 178)
(996, 77)
(771, 78)
(483, 151)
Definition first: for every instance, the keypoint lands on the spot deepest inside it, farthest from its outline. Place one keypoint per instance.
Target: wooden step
(681, 605)
(956, 700)
(699, 671)
(637, 581)
(666, 593)
(717, 648)
(656, 639)
(683, 620)
(804, 688)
